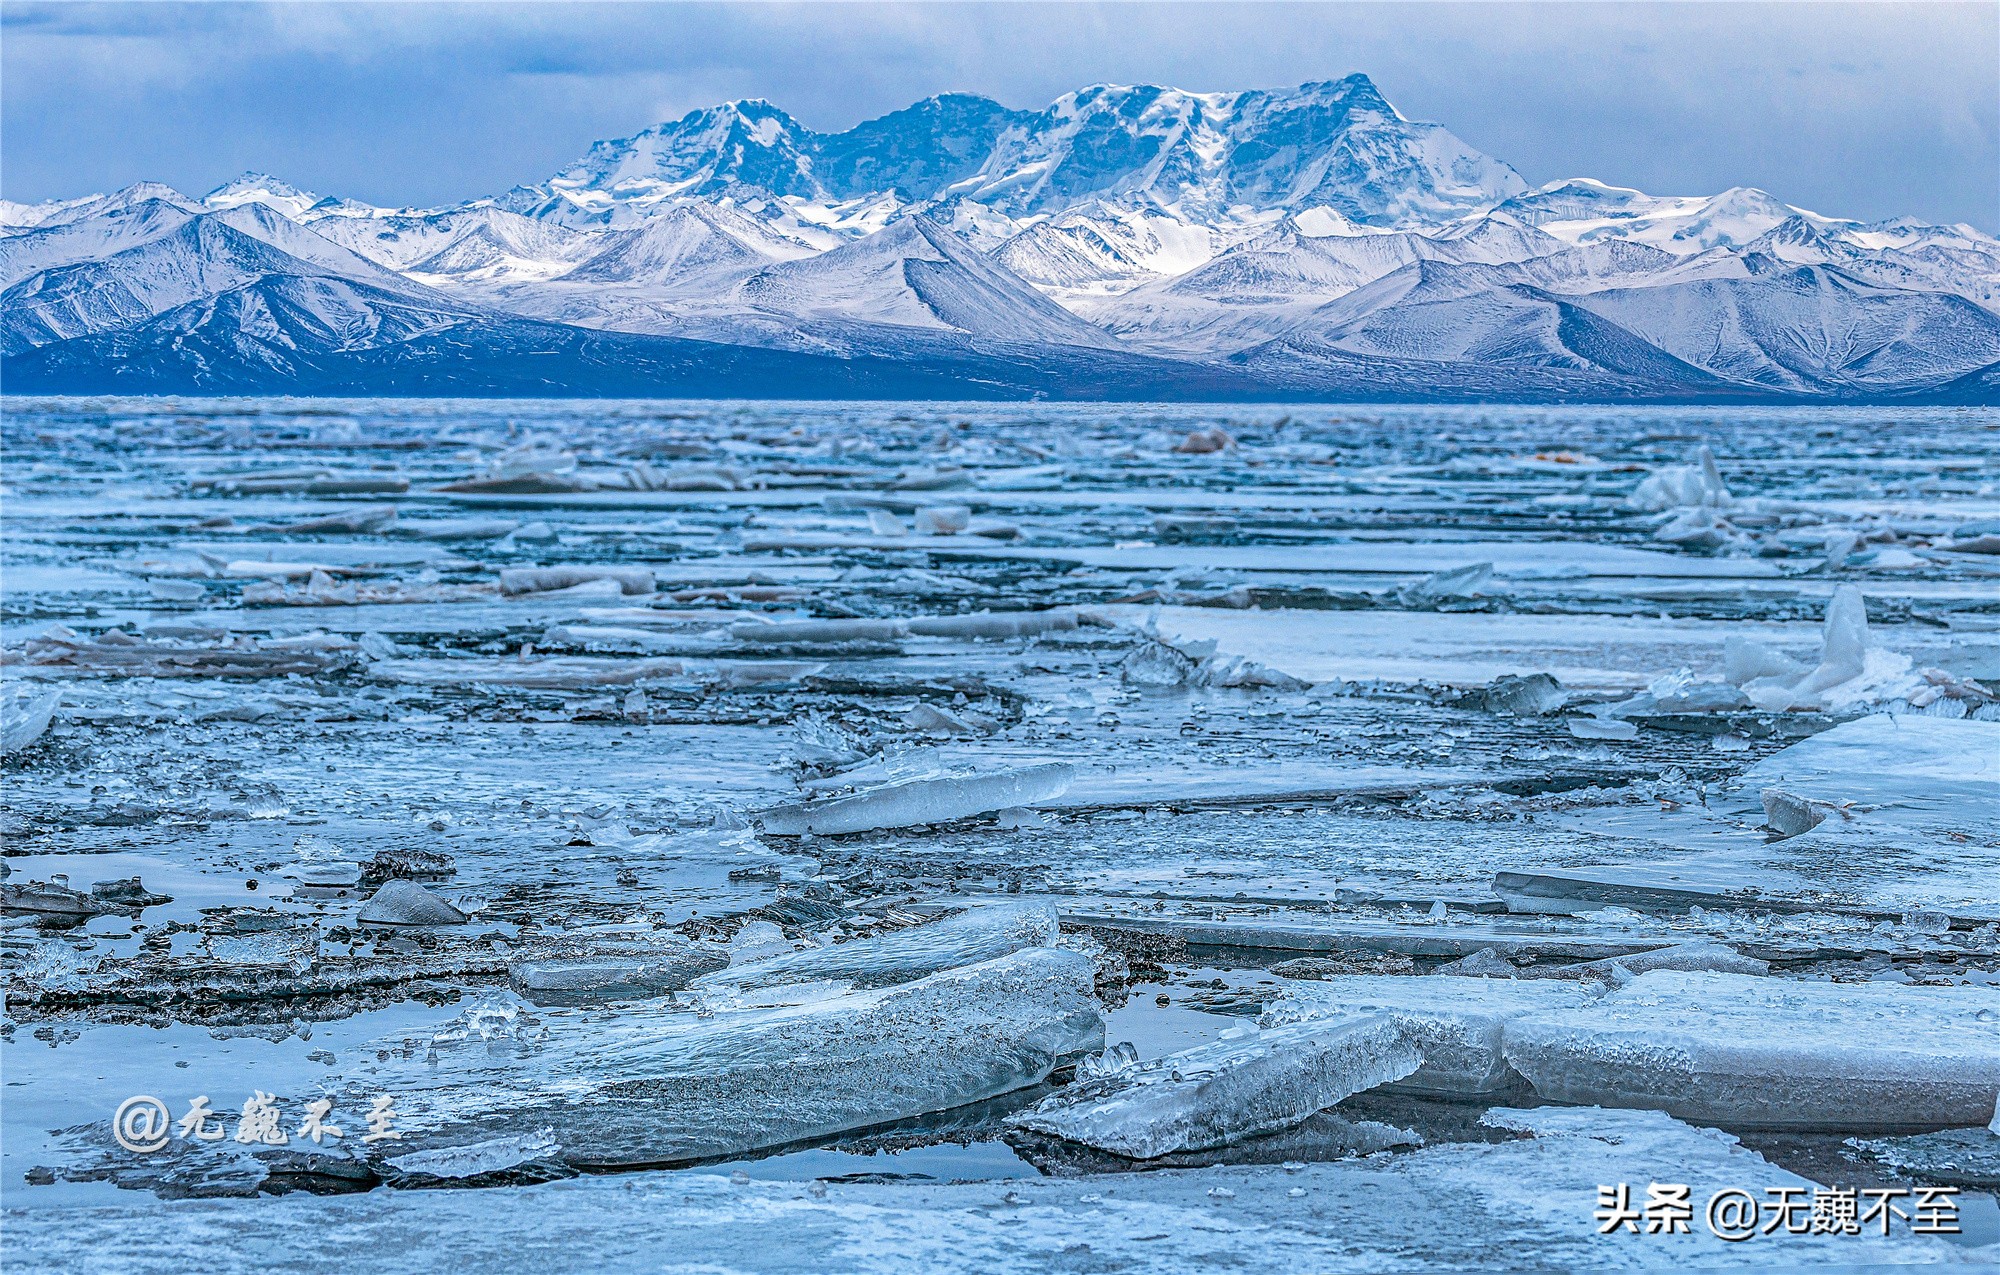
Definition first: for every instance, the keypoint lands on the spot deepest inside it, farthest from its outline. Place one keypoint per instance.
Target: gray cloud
(1867, 110)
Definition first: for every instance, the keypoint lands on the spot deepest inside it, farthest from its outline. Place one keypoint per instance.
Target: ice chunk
(1744, 661)
(458, 528)
(1217, 1094)
(988, 626)
(400, 902)
(1850, 671)
(630, 580)
(1697, 483)
(883, 523)
(915, 801)
(1203, 442)
(1789, 814)
(974, 935)
(657, 1092)
(1529, 696)
(1458, 582)
(492, 1156)
(1453, 1022)
(568, 969)
(1844, 650)
(1602, 728)
(932, 720)
(175, 590)
(1701, 954)
(819, 631)
(366, 518)
(26, 719)
(1698, 529)
(554, 673)
(757, 941)
(1738, 1050)
(44, 898)
(943, 520)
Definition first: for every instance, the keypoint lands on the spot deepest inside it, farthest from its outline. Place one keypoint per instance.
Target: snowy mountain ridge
(1312, 240)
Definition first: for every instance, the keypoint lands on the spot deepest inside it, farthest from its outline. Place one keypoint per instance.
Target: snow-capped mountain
(1123, 240)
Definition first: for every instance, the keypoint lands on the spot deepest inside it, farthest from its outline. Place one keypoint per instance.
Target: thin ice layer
(916, 801)
(640, 1092)
(976, 934)
(1454, 1023)
(1750, 1052)
(1213, 1095)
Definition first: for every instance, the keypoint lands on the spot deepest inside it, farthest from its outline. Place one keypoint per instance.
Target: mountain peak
(1333, 143)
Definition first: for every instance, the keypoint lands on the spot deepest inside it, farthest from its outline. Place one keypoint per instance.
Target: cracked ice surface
(797, 789)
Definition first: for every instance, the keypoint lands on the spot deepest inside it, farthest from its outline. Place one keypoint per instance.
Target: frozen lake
(808, 836)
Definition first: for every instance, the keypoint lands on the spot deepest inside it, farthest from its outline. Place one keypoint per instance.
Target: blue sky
(1869, 110)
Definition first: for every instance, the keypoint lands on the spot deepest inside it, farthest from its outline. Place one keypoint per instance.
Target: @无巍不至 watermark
(143, 1124)
(1735, 1213)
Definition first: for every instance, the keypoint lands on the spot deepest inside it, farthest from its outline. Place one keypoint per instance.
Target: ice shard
(1750, 1052)
(563, 970)
(990, 626)
(655, 1090)
(1454, 1023)
(915, 801)
(974, 935)
(1213, 1095)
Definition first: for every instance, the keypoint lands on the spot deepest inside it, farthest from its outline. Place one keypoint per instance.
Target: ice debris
(401, 902)
(1698, 954)
(1851, 670)
(750, 1079)
(974, 935)
(478, 1158)
(1442, 586)
(1697, 484)
(572, 968)
(1216, 1094)
(943, 520)
(522, 580)
(1744, 1051)
(25, 716)
(917, 801)
(1454, 1023)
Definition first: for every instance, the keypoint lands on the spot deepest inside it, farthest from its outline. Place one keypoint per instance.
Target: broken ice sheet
(1471, 1207)
(977, 934)
(1210, 1096)
(921, 801)
(654, 1086)
(1453, 1023)
(570, 969)
(1751, 1052)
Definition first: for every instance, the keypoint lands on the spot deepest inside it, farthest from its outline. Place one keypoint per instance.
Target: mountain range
(1124, 242)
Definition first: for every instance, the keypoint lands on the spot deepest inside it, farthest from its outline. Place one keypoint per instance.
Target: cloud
(1867, 110)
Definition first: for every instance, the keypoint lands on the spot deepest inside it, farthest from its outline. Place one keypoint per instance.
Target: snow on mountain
(1808, 328)
(62, 212)
(916, 274)
(1101, 247)
(739, 146)
(1940, 261)
(1259, 289)
(688, 245)
(261, 188)
(44, 247)
(1582, 211)
(203, 256)
(1338, 144)
(1437, 314)
(1310, 239)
